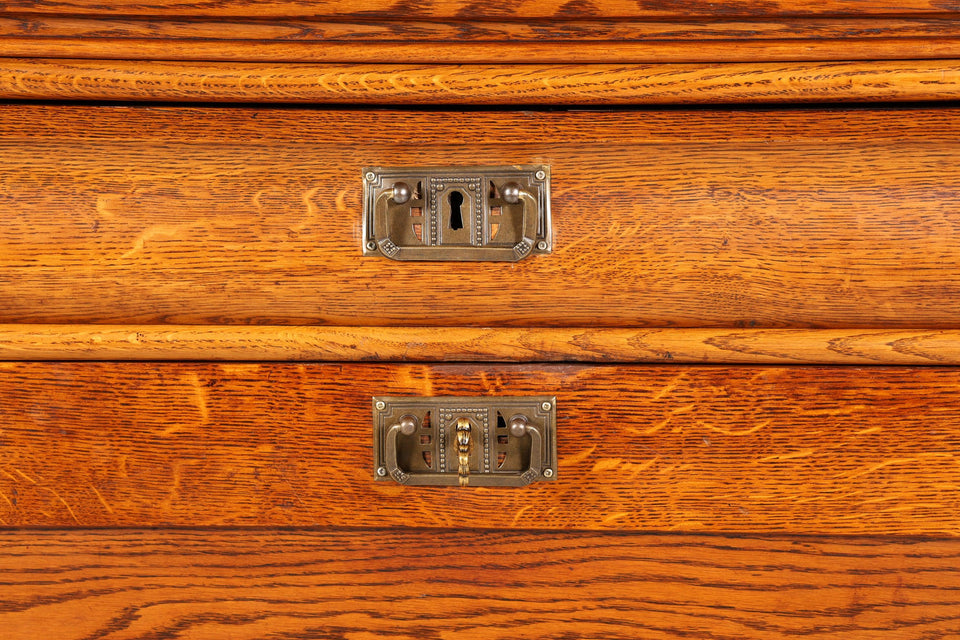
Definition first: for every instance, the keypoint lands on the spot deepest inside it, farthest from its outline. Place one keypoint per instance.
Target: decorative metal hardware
(456, 213)
(464, 447)
(477, 442)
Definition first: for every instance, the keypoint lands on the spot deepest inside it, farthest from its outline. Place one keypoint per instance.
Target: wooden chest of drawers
(748, 317)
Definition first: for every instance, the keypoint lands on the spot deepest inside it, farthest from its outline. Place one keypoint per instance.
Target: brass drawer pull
(450, 441)
(456, 213)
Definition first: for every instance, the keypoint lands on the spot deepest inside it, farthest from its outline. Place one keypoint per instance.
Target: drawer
(796, 450)
(838, 218)
(237, 500)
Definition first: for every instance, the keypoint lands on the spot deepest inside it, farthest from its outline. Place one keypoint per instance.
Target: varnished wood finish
(756, 219)
(738, 237)
(520, 53)
(470, 9)
(468, 344)
(854, 30)
(411, 585)
(473, 84)
(407, 41)
(747, 449)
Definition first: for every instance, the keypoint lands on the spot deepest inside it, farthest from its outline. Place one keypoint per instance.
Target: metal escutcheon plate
(456, 213)
(450, 441)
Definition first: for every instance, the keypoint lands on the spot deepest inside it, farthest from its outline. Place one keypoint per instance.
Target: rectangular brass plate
(457, 213)
(499, 455)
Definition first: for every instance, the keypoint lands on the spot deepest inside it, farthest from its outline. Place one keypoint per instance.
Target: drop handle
(520, 426)
(407, 425)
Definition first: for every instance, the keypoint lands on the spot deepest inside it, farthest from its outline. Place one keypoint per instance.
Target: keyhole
(456, 217)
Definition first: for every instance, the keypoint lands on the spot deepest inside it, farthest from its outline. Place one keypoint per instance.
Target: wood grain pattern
(755, 219)
(495, 31)
(474, 84)
(470, 9)
(469, 344)
(522, 53)
(747, 449)
(407, 41)
(473, 584)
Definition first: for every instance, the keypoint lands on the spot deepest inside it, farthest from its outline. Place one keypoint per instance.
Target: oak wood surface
(746, 449)
(754, 218)
(407, 41)
(477, 344)
(383, 583)
(470, 9)
(478, 84)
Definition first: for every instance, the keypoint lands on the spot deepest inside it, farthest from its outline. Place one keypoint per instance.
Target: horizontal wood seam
(744, 536)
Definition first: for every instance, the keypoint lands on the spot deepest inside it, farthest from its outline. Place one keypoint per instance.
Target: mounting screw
(542, 245)
(540, 176)
(382, 472)
(371, 245)
(370, 176)
(546, 406)
(548, 473)
(381, 405)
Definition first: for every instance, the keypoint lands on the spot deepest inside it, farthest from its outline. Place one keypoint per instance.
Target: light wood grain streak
(470, 9)
(503, 585)
(745, 449)
(472, 84)
(489, 53)
(467, 344)
(480, 42)
(826, 219)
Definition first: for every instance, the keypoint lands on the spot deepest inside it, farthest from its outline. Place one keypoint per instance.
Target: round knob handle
(407, 424)
(401, 192)
(518, 425)
(510, 193)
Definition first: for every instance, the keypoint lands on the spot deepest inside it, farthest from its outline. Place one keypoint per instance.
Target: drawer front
(494, 585)
(818, 450)
(799, 218)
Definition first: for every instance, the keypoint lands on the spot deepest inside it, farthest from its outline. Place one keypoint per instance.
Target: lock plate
(501, 441)
(457, 213)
